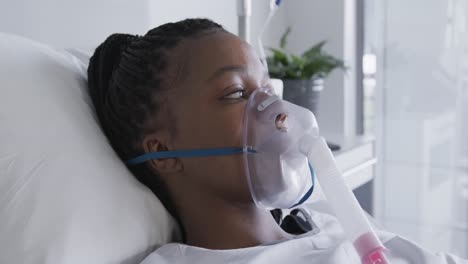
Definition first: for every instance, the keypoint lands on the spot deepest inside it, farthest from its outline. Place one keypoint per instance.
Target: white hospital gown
(324, 245)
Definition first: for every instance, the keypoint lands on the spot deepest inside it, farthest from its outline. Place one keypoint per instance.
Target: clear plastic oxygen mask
(284, 145)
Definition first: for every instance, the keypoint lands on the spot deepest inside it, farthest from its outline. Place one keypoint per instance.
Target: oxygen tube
(343, 202)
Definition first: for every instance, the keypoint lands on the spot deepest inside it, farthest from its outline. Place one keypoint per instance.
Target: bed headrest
(65, 197)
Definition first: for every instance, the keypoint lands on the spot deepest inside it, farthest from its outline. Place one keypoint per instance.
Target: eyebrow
(233, 68)
(225, 69)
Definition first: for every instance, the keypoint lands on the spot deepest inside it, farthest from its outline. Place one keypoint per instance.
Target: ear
(156, 143)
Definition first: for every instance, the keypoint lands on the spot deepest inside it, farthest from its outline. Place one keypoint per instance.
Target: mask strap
(310, 191)
(187, 154)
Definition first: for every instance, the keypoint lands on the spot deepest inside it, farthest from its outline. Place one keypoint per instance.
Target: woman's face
(217, 73)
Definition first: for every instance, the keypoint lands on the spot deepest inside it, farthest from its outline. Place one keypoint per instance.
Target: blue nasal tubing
(311, 189)
(206, 153)
(188, 154)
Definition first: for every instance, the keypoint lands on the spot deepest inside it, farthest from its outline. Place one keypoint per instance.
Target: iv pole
(244, 12)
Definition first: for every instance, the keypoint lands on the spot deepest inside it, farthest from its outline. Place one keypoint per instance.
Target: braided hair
(127, 78)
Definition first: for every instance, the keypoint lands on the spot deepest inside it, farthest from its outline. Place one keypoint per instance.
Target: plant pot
(305, 93)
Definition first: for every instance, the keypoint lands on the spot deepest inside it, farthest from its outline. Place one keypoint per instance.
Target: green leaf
(313, 63)
(296, 67)
(284, 38)
(296, 60)
(314, 50)
(321, 66)
(275, 69)
(279, 56)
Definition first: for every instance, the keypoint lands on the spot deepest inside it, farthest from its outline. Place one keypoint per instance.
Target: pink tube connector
(370, 249)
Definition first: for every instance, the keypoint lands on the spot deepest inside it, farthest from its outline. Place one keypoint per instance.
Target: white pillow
(65, 197)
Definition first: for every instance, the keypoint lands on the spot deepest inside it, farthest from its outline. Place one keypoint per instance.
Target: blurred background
(404, 88)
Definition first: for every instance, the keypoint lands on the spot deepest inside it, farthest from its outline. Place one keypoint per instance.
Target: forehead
(206, 54)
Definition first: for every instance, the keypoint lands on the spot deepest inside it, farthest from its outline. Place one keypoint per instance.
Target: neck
(221, 225)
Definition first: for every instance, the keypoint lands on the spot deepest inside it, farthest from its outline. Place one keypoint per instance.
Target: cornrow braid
(127, 76)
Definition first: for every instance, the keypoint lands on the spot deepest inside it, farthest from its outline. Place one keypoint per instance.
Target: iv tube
(274, 4)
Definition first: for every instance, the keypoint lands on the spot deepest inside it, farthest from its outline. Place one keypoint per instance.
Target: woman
(184, 86)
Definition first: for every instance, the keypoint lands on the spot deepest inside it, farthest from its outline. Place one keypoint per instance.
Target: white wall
(63, 23)
(223, 12)
(334, 21)
(86, 23)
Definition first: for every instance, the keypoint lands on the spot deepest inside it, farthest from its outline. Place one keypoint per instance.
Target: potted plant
(303, 76)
